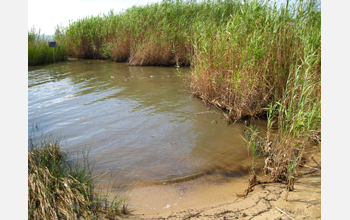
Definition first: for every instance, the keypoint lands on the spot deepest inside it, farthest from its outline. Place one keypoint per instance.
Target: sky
(47, 14)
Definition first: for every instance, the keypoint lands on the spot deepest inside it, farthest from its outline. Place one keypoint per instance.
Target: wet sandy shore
(214, 197)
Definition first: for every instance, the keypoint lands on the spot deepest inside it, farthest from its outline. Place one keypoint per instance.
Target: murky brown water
(137, 121)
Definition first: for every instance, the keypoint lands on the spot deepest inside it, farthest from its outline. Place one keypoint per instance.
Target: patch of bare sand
(214, 197)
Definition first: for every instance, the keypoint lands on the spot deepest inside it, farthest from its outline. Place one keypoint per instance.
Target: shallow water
(138, 122)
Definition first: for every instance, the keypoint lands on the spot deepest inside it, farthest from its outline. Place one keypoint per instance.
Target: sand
(214, 197)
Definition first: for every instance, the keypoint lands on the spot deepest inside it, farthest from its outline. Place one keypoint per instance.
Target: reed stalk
(60, 187)
(39, 51)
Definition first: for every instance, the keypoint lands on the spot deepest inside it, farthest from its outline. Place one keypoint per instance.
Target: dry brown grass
(151, 53)
(120, 50)
(266, 62)
(148, 53)
(58, 189)
(246, 98)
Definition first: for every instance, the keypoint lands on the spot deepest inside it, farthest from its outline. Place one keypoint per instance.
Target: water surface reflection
(137, 120)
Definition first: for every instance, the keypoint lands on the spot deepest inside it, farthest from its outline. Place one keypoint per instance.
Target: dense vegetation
(250, 58)
(60, 187)
(39, 51)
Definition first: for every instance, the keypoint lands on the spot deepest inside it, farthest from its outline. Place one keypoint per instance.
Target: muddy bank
(214, 197)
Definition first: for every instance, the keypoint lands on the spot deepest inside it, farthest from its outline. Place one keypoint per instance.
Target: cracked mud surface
(214, 198)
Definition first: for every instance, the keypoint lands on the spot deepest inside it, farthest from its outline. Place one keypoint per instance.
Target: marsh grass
(254, 143)
(250, 58)
(60, 187)
(298, 117)
(243, 64)
(153, 34)
(39, 51)
(265, 61)
(294, 125)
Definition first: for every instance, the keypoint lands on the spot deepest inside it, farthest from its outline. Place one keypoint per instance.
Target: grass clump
(39, 51)
(153, 34)
(243, 65)
(265, 60)
(298, 119)
(59, 188)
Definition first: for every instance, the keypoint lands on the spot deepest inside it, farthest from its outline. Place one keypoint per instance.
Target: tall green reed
(39, 51)
(153, 34)
(265, 61)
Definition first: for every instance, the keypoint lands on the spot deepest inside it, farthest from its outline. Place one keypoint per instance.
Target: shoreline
(214, 197)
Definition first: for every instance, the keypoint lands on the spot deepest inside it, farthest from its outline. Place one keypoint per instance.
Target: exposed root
(312, 157)
(253, 181)
(283, 157)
